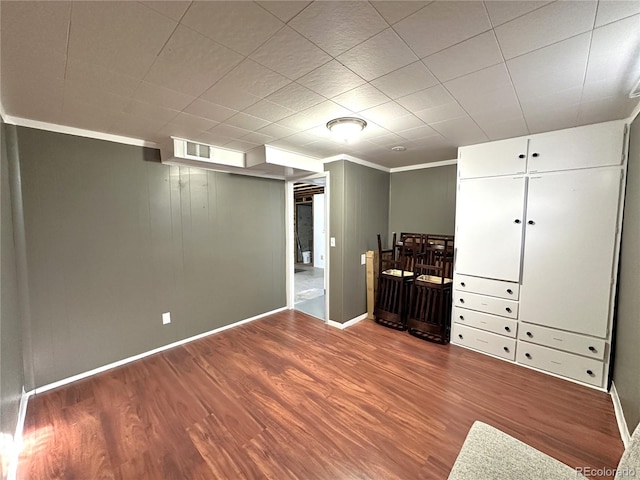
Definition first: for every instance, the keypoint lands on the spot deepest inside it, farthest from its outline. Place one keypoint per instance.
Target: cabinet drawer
(484, 321)
(497, 306)
(484, 341)
(569, 342)
(486, 286)
(566, 364)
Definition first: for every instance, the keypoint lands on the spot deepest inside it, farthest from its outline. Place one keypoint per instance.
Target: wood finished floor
(289, 397)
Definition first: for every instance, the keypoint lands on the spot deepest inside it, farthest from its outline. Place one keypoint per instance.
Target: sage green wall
(626, 374)
(423, 201)
(11, 371)
(359, 207)
(113, 241)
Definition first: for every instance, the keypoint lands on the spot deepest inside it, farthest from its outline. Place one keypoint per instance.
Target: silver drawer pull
(557, 363)
(482, 341)
(557, 339)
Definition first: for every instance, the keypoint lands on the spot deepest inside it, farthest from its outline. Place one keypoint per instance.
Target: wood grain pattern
(289, 397)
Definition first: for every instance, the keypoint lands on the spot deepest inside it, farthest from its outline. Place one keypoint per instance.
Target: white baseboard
(622, 423)
(119, 363)
(12, 470)
(348, 323)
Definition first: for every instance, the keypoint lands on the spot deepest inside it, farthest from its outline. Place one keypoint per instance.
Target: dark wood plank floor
(289, 397)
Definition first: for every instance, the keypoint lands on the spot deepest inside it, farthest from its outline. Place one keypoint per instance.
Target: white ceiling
(427, 75)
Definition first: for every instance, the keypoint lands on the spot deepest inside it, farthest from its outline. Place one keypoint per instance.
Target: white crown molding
(79, 132)
(424, 165)
(359, 161)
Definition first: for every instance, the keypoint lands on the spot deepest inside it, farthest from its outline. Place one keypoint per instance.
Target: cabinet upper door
(489, 226)
(505, 157)
(569, 250)
(597, 145)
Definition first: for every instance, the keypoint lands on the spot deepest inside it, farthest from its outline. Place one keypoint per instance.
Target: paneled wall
(626, 374)
(359, 206)
(11, 371)
(114, 240)
(423, 200)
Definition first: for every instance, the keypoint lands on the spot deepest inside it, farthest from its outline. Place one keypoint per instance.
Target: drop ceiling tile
(366, 61)
(612, 10)
(86, 94)
(229, 96)
(606, 109)
(417, 133)
(269, 111)
(469, 56)
(394, 11)
(351, 22)
(100, 78)
(545, 26)
(389, 140)
(295, 97)
(442, 24)
(331, 79)
(551, 69)
(276, 131)
(34, 39)
(255, 79)
(163, 97)
(136, 127)
(553, 120)
(385, 112)
(150, 111)
(551, 101)
(194, 122)
(126, 39)
(361, 98)
(427, 98)
(285, 10)
(35, 98)
(441, 112)
(202, 108)
(301, 138)
(317, 115)
(277, 54)
(214, 139)
(241, 145)
(405, 122)
(258, 138)
(489, 89)
(181, 131)
(229, 131)
(405, 81)
(248, 122)
(172, 9)
(82, 115)
(502, 11)
(190, 62)
(612, 49)
(461, 131)
(240, 26)
(507, 128)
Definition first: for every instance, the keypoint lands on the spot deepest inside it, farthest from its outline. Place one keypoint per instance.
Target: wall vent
(202, 152)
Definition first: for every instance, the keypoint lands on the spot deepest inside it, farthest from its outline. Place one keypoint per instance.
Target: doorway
(310, 228)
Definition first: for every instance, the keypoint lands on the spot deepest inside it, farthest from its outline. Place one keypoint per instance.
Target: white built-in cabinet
(537, 240)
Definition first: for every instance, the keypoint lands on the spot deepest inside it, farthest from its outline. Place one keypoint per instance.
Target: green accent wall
(114, 239)
(359, 210)
(423, 201)
(11, 369)
(626, 373)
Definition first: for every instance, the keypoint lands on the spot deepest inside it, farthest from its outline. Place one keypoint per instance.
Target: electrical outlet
(333, 241)
(321, 257)
(363, 259)
(166, 318)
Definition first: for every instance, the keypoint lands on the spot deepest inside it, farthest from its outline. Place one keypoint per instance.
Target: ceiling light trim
(347, 129)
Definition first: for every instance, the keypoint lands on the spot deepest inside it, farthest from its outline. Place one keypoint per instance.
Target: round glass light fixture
(399, 148)
(346, 129)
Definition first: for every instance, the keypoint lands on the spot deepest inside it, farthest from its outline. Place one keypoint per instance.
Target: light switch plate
(363, 259)
(333, 241)
(166, 318)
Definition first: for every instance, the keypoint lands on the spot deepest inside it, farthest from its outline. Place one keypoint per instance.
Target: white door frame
(290, 241)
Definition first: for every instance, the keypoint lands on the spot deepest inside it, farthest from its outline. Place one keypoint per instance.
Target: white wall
(318, 231)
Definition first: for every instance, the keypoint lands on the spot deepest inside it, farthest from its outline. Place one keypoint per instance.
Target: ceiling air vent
(200, 152)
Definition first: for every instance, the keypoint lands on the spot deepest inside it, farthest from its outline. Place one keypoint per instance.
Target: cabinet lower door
(489, 226)
(569, 250)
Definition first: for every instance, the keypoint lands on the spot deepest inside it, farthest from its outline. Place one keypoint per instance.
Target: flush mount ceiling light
(399, 148)
(346, 129)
